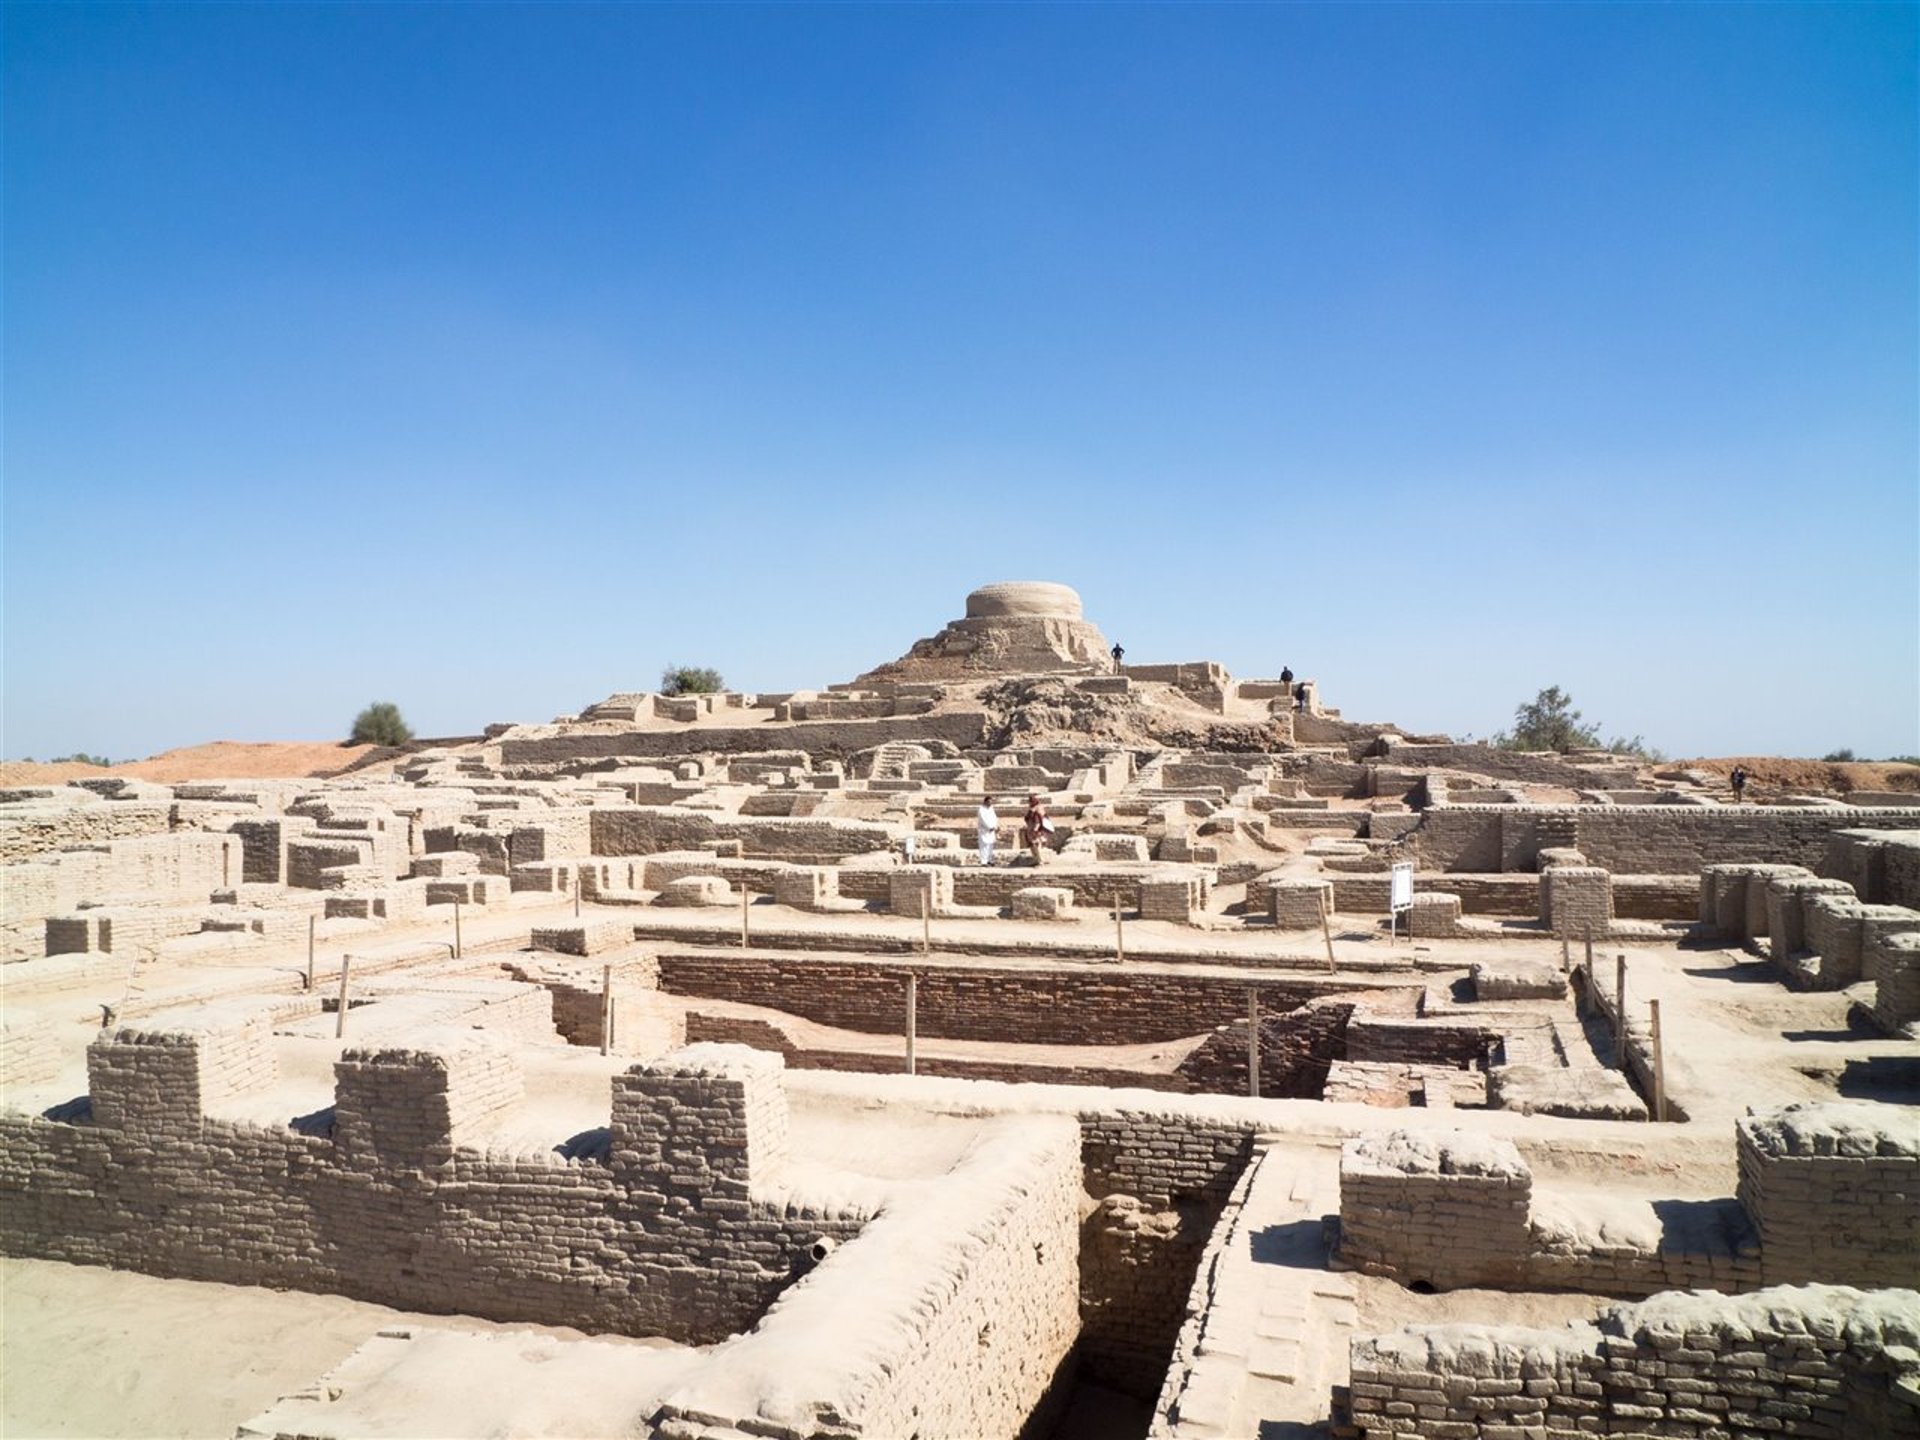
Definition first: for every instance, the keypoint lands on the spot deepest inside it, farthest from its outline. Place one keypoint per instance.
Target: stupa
(1010, 627)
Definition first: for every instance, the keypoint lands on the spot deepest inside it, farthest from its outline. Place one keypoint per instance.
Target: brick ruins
(699, 1017)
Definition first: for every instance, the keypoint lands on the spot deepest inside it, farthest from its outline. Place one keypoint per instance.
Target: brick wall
(394, 1210)
(1819, 1363)
(1085, 1005)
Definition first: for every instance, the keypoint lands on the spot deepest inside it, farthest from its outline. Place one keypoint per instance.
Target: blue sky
(486, 358)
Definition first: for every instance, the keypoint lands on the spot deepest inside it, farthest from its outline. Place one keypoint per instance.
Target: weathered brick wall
(1089, 1005)
(842, 738)
(37, 827)
(1819, 1363)
(1441, 1208)
(1832, 1191)
(645, 830)
(967, 1312)
(389, 1211)
(1639, 839)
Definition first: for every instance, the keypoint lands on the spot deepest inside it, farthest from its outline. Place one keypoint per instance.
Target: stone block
(1301, 904)
(696, 890)
(1043, 902)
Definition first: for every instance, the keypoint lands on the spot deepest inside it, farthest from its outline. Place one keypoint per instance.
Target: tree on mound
(380, 724)
(690, 680)
(1549, 722)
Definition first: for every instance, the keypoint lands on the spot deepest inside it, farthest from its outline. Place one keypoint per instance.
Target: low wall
(666, 1233)
(840, 738)
(1638, 839)
(1821, 1362)
(647, 830)
(1089, 1004)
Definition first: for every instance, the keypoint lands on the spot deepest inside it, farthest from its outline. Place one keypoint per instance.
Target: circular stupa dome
(1024, 597)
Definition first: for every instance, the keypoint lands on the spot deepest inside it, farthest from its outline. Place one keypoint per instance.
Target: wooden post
(1590, 954)
(1566, 956)
(225, 858)
(576, 894)
(1620, 1011)
(1659, 1066)
(311, 921)
(913, 1006)
(926, 919)
(457, 952)
(745, 900)
(340, 1019)
(606, 1009)
(1119, 932)
(1253, 1042)
(1326, 932)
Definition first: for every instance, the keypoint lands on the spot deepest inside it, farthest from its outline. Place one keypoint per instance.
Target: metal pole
(606, 1009)
(1620, 1011)
(913, 1006)
(1659, 1066)
(1253, 1042)
(311, 920)
(340, 1018)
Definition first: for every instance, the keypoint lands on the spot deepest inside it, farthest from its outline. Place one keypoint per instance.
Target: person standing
(987, 819)
(1119, 654)
(1035, 829)
(1286, 675)
(1739, 778)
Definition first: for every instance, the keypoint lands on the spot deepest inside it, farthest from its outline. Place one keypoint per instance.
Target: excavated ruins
(678, 1069)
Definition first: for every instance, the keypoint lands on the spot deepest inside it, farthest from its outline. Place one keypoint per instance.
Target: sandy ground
(1773, 772)
(97, 1353)
(220, 760)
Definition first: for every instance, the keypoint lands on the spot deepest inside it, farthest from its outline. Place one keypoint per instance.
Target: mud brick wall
(558, 833)
(1639, 839)
(967, 1311)
(1579, 900)
(160, 1078)
(1896, 972)
(1296, 1049)
(1161, 1180)
(412, 1108)
(1787, 899)
(1733, 898)
(961, 727)
(1831, 1189)
(645, 830)
(1447, 1209)
(263, 845)
(609, 1244)
(1818, 1363)
(914, 886)
(1089, 1005)
(36, 827)
(1459, 1044)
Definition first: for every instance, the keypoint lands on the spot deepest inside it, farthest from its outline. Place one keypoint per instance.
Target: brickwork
(1831, 1189)
(387, 1211)
(914, 886)
(1083, 1005)
(1579, 899)
(1815, 1363)
(1896, 966)
(1043, 902)
(1442, 1208)
(1301, 904)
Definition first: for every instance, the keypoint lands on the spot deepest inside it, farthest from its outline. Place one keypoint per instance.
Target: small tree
(690, 680)
(380, 724)
(1548, 722)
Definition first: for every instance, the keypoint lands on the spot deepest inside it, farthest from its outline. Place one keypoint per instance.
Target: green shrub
(380, 724)
(690, 680)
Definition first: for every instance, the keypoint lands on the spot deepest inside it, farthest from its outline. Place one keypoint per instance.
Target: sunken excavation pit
(690, 1067)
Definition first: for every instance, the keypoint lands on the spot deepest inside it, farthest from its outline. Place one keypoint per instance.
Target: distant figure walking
(1036, 828)
(1739, 778)
(988, 821)
(1119, 654)
(1286, 675)
(1300, 697)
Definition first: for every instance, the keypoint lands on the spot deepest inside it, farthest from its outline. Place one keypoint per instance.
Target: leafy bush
(690, 680)
(380, 724)
(80, 757)
(1548, 722)
(1839, 757)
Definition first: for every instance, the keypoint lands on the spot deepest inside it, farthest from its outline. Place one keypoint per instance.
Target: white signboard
(1401, 896)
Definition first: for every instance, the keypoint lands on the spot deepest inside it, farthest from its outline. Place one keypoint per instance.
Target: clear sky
(486, 358)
